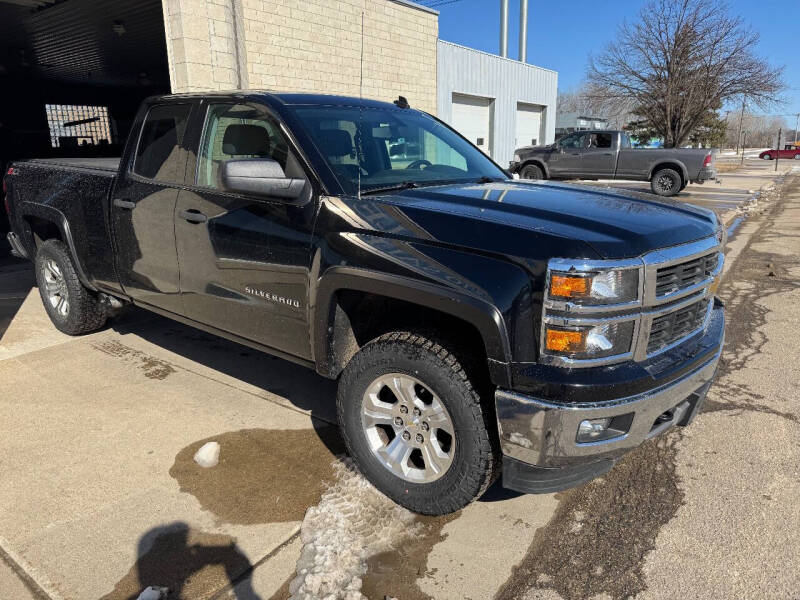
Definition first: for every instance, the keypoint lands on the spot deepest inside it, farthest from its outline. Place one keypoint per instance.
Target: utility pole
(796, 125)
(739, 137)
(778, 152)
(744, 146)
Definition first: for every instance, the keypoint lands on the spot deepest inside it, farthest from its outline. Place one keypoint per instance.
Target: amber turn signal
(562, 340)
(566, 286)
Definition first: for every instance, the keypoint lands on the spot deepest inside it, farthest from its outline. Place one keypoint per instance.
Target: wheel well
(669, 165)
(535, 163)
(43, 230)
(360, 317)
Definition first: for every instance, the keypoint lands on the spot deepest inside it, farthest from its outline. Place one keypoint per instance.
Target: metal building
(498, 103)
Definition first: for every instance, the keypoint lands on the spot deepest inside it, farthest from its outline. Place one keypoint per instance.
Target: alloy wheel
(408, 428)
(56, 287)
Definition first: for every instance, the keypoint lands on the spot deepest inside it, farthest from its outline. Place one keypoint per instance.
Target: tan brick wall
(303, 45)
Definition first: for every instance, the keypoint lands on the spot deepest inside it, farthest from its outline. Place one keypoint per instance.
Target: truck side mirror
(260, 177)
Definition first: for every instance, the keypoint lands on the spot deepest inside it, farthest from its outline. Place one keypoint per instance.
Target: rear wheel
(531, 172)
(768, 156)
(413, 421)
(72, 308)
(666, 182)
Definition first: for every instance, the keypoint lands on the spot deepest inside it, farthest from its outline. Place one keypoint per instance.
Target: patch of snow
(154, 593)
(352, 522)
(208, 455)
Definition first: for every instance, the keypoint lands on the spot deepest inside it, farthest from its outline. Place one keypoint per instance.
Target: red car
(789, 151)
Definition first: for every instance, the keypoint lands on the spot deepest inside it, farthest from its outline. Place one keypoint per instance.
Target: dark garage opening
(72, 74)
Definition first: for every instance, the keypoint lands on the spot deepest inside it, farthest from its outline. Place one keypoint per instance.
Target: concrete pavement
(101, 497)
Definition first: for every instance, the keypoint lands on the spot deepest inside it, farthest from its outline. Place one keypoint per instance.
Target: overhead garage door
(529, 125)
(472, 118)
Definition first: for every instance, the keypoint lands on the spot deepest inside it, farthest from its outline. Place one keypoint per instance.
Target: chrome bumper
(543, 434)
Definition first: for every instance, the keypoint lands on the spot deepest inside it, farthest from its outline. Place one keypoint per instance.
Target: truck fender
(667, 163)
(59, 219)
(483, 315)
(539, 163)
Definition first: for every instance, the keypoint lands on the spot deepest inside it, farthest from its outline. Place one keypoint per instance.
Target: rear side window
(159, 155)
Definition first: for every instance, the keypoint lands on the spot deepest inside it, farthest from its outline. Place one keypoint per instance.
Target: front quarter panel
(387, 254)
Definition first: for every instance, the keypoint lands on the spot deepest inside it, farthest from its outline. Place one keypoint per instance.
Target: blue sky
(561, 35)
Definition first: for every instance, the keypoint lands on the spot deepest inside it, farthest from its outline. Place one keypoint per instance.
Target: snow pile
(154, 593)
(208, 455)
(352, 522)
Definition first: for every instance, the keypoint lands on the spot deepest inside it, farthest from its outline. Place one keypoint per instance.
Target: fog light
(592, 430)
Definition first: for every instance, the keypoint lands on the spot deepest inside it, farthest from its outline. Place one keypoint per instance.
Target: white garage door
(472, 118)
(529, 125)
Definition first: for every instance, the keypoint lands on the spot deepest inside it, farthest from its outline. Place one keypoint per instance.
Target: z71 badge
(272, 297)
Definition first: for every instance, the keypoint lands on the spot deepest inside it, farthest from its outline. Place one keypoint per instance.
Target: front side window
(576, 140)
(159, 155)
(237, 131)
(375, 148)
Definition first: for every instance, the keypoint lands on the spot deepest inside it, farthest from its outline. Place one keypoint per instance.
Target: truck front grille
(671, 327)
(675, 278)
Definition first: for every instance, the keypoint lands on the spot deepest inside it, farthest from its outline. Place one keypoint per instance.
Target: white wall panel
(462, 70)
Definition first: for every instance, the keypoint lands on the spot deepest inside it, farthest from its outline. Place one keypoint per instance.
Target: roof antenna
(360, 108)
(401, 102)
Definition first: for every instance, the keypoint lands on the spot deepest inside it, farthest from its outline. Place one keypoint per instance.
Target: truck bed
(110, 165)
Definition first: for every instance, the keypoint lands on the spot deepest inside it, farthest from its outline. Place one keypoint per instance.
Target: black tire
(83, 312)
(531, 172)
(684, 185)
(666, 182)
(475, 452)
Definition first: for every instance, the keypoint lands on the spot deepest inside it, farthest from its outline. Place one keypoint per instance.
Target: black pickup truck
(477, 325)
(608, 154)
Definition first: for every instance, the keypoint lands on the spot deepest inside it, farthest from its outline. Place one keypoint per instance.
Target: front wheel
(72, 308)
(413, 421)
(531, 172)
(666, 182)
(768, 157)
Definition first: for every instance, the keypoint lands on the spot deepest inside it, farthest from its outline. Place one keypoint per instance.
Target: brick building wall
(304, 45)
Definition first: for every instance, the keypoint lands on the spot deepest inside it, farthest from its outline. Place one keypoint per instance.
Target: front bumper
(539, 437)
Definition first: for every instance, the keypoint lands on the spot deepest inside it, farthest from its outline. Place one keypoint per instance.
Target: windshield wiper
(487, 179)
(405, 185)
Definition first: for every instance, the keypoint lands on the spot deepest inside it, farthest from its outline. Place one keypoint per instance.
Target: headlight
(517, 158)
(605, 287)
(587, 342)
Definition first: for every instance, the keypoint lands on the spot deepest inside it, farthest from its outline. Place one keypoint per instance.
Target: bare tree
(680, 61)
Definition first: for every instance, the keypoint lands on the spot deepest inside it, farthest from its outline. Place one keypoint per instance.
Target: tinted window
(235, 131)
(600, 140)
(159, 155)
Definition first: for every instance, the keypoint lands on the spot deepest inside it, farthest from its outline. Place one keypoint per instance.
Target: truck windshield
(382, 148)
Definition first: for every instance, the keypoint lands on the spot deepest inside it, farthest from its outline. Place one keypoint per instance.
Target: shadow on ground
(189, 563)
(16, 282)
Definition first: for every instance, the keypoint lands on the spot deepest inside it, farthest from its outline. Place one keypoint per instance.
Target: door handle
(126, 204)
(193, 216)
(608, 154)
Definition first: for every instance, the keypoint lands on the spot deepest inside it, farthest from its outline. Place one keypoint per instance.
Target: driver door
(567, 161)
(245, 261)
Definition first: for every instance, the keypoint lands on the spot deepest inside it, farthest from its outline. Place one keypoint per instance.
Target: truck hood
(501, 217)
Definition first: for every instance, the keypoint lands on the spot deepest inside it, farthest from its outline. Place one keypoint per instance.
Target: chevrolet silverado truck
(609, 155)
(478, 326)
